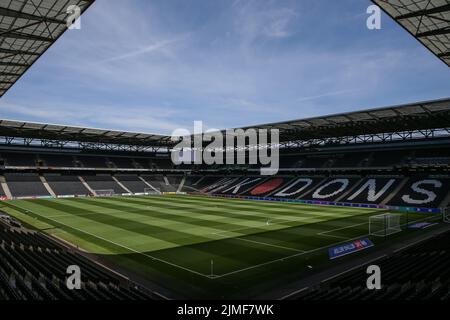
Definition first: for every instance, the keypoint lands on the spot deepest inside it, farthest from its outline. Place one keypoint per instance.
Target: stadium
(353, 189)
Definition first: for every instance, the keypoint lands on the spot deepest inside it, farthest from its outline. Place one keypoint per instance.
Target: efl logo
(262, 146)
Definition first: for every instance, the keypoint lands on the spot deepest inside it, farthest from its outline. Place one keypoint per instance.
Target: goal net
(446, 214)
(384, 224)
(104, 193)
(151, 192)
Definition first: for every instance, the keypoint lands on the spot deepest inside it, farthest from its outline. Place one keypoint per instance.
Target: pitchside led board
(349, 248)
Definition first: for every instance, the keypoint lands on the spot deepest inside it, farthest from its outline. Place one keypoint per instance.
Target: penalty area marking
(285, 258)
(299, 254)
(266, 244)
(326, 233)
(254, 241)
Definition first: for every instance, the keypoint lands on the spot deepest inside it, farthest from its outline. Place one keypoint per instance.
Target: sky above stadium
(154, 66)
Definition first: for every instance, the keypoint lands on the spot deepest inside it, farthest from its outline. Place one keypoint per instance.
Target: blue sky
(154, 66)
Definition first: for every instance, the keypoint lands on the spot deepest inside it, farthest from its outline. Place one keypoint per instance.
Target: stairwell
(148, 184)
(181, 184)
(47, 186)
(5, 187)
(121, 184)
(87, 186)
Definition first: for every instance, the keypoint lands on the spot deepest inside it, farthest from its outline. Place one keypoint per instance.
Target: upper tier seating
(93, 161)
(57, 160)
(19, 159)
(122, 162)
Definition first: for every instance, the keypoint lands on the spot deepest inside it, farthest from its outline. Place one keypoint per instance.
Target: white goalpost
(384, 224)
(104, 193)
(446, 214)
(151, 192)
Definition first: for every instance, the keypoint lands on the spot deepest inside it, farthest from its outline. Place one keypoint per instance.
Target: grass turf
(200, 247)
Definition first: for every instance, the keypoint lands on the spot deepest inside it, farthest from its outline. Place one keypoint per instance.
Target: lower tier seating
(419, 272)
(33, 267)
(25, 184)
(132, 182)
(104, 182)
(66, 185)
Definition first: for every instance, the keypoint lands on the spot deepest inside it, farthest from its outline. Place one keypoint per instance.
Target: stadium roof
(27, 29)
(33, 130)
(426, 20)
(415, 116)
(409, 117)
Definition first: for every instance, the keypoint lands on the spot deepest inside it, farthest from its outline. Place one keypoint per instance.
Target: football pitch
(200, 247)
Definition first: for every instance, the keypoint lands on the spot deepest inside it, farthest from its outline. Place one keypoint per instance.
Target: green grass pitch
(201, 247)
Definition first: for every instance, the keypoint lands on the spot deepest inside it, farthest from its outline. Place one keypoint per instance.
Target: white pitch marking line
(72, 214)
(331, 235)
(253, 227)
(120, 245)
(285, 258)
(326, 233)
(295, 255)
(268, 244)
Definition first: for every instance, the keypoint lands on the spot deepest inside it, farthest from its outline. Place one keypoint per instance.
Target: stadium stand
(2, 192)
(327, 167)
(396, 156)
(103, 182)
(121, 162)
(93, 161)
(132, 182)
(198, 182)
(159, 182)
(19, 159)
(421, 271)
(57, 160)
(33, 267)
(25, 184)
(424, 191)
(66, 184)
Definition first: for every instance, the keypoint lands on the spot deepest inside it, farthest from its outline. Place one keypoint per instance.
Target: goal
(151, 192)
(384, 224)
(446, 214)
(104, 193)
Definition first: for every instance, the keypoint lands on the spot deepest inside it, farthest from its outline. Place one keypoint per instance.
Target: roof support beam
(23, 36)
(444, 54)
(13, 64)
(17, 14)
(15, 52)
(9, 74)
(435, 32)
(425, 12)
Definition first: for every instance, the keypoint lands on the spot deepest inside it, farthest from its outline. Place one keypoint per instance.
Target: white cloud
(160, 46)
(256, 19)
(147, 119)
